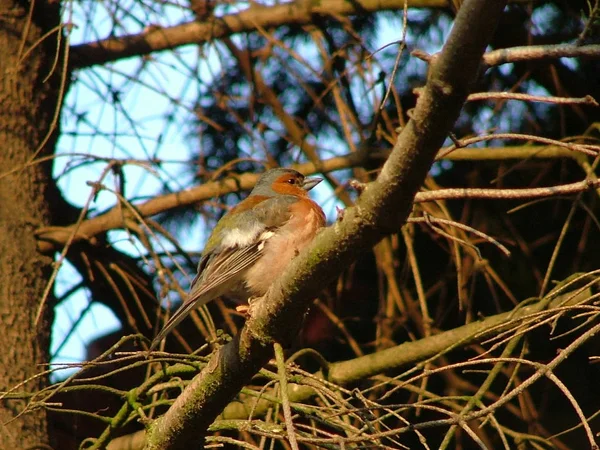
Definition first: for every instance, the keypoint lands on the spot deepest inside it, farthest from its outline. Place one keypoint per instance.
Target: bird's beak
(310, 183)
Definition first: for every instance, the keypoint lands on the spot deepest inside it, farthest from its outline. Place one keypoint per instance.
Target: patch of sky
(77, 322)
(543, 19)
(141, 121)
(323, 194)
(506, 69)
(439, 167)
(420, 36)
(571, 63)
(307, 61)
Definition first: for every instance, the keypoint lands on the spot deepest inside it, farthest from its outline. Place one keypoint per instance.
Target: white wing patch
(242, 238)
(263, 238)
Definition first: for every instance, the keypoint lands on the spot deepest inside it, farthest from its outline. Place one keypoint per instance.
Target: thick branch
(380, 210)
(156, 39)
(52, 239)
(407, 354)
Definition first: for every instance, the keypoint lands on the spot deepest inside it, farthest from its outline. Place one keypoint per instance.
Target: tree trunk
(30, 69)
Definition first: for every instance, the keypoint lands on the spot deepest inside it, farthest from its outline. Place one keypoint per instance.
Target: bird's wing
(237, 249)
(218, 269)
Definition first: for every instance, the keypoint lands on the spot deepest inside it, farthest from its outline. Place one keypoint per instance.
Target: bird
(254, 242)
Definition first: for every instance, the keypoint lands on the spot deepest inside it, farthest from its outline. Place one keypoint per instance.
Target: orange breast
(289, 240)
(304, 207)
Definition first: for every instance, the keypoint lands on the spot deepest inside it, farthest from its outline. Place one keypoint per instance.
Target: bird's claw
(242, 309)
(247, 309)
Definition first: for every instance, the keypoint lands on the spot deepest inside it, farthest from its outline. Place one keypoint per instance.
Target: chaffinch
(252, 244)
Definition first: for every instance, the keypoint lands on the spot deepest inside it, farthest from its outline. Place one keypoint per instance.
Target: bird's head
(284, 182)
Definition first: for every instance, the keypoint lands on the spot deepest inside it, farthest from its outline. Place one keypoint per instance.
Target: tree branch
(529, 53)
(156, 38)
(407, 354)
(528, 193)
(381, 209)
(54, 238)
(540, 53)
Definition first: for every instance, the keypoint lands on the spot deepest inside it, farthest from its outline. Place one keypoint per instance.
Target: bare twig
(462, 193)
(285, 401)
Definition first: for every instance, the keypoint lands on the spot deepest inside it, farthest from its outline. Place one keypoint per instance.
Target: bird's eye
(291, 181)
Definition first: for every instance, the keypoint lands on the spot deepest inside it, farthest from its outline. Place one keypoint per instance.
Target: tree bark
(30, 67)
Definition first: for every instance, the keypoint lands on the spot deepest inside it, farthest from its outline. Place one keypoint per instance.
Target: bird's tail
(183, 311)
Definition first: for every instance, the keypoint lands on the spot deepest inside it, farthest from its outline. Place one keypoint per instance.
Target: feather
(215, 274)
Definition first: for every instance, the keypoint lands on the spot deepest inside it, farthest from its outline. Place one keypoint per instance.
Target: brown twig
(506, 194)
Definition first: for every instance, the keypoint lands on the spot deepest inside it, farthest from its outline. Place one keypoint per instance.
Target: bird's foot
(242, 309)
(247, 309)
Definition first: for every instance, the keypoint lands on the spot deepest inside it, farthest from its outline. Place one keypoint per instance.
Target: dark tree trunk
(30, 72)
